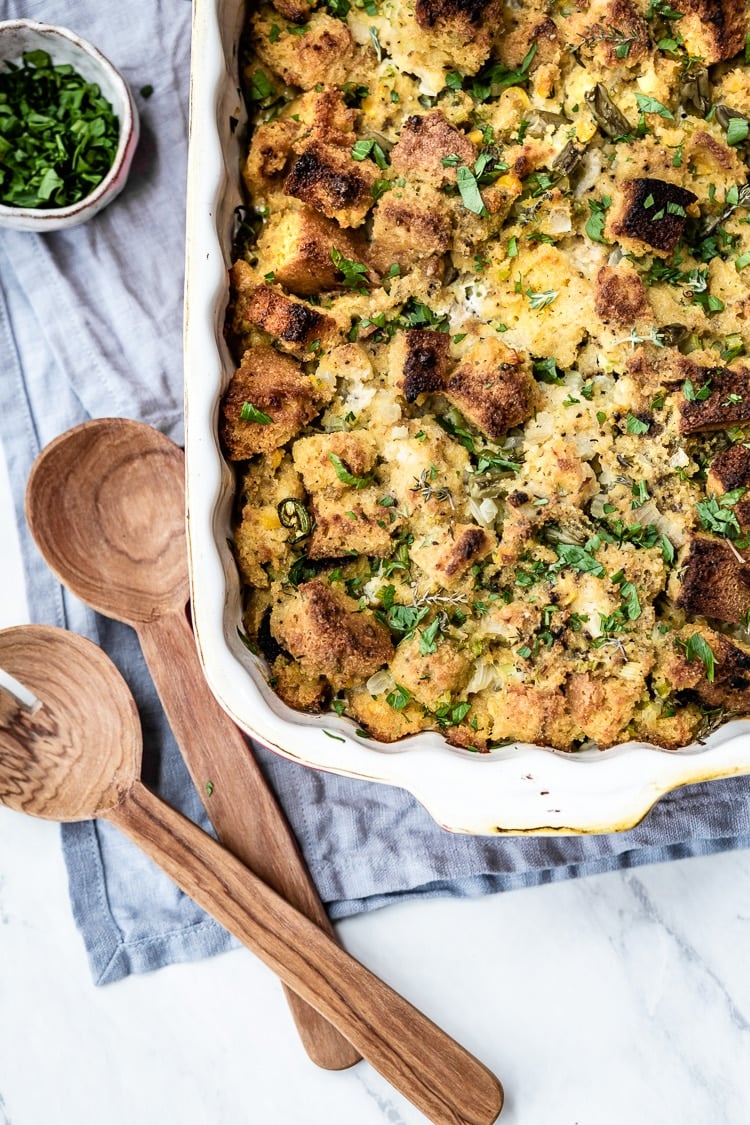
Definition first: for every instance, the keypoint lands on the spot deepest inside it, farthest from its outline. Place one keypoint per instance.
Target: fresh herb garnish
(648, 104)
(405, 618)
(716, 513)
(634, 425)
(698, 648)
(569, 554)
(700, 395)
(367, 147)
(597, 218)
(345, 476)
(250, 413)
(398, 698)
(468, 187)
(58, 134)
(354, 274)
(546, 371)
(428, 637)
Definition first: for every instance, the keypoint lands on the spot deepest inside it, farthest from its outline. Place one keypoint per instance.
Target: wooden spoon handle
(434, 1072)
(241, 807)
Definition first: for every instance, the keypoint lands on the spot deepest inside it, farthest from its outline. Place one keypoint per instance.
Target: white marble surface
(616, 999)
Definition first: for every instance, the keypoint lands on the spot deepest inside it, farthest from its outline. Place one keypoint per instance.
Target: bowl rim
(128, 119)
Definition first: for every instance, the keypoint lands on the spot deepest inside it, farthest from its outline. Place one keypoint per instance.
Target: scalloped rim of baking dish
(518, 789)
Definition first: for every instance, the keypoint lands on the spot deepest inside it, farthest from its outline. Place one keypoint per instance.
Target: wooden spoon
(106, 505)
(78, 756)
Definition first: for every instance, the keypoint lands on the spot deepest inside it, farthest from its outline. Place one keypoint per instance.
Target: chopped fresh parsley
(468, 188)
(345, 476)
(250, 413)
(648, 104)
(546, 371)
(58, 134)
(398, 698)
(493, 78)
(641, 494)
(698, 648)
(569, 554)
(354, 274)
(405, 618)
(366, 147)
(634, 425)
(737, 130)
(700, 395)
(597, 218)
(428, 637)
(717, 513)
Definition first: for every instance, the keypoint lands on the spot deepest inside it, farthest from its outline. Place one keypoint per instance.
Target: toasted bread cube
(326, 114)
(432, 678)
(727, 405)
(446, 557)
(296, 247)
(425, 141)
(602, 706)
(714, 581)
(259, 538)
(383, 722)
(663, 727)
(464, 31)
(328, 633)
(724, 682)
(409, 226)
(649, 212)
(532, 27)
(327, 178)
(295, 325)
(356, 450)
(532, 713)
(713, 30)
(730, 471)
(323, 54)
(419, 358)
(730, 686)
(275, 385)
(620, 296)
(355, 524)
(296, 11)
(306, 691)
(269, 153)
(493, 387)
(590, 31)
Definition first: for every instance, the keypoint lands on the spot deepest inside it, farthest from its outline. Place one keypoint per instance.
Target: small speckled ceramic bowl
(19, 36)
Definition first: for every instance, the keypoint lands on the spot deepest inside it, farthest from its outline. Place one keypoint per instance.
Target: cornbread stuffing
(491, 412)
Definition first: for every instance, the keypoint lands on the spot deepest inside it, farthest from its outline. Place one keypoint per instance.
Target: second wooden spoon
(105, 503)
(76, 755)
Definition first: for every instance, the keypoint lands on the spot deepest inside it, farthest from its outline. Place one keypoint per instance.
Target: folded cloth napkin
(90, 325)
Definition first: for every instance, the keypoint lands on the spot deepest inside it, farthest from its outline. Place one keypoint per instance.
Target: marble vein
(687, 950)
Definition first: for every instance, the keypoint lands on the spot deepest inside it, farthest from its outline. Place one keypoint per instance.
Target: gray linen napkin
(90, 325)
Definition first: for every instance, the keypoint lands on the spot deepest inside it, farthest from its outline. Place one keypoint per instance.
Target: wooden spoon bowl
(47, 765)
(77, 757)
(114, 539)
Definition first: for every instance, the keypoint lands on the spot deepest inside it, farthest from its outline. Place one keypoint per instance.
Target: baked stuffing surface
(491, 414)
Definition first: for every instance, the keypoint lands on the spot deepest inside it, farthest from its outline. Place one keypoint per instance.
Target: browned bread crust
(715, 583)
(276, 385)
(328, 632)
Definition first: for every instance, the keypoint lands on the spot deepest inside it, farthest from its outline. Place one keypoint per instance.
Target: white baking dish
(520, 788)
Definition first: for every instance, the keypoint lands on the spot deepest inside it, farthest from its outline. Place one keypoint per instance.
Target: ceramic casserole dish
(516, 789)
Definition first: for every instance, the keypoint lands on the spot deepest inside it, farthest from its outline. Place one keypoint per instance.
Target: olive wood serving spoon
(74, 754)
(105, 503)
